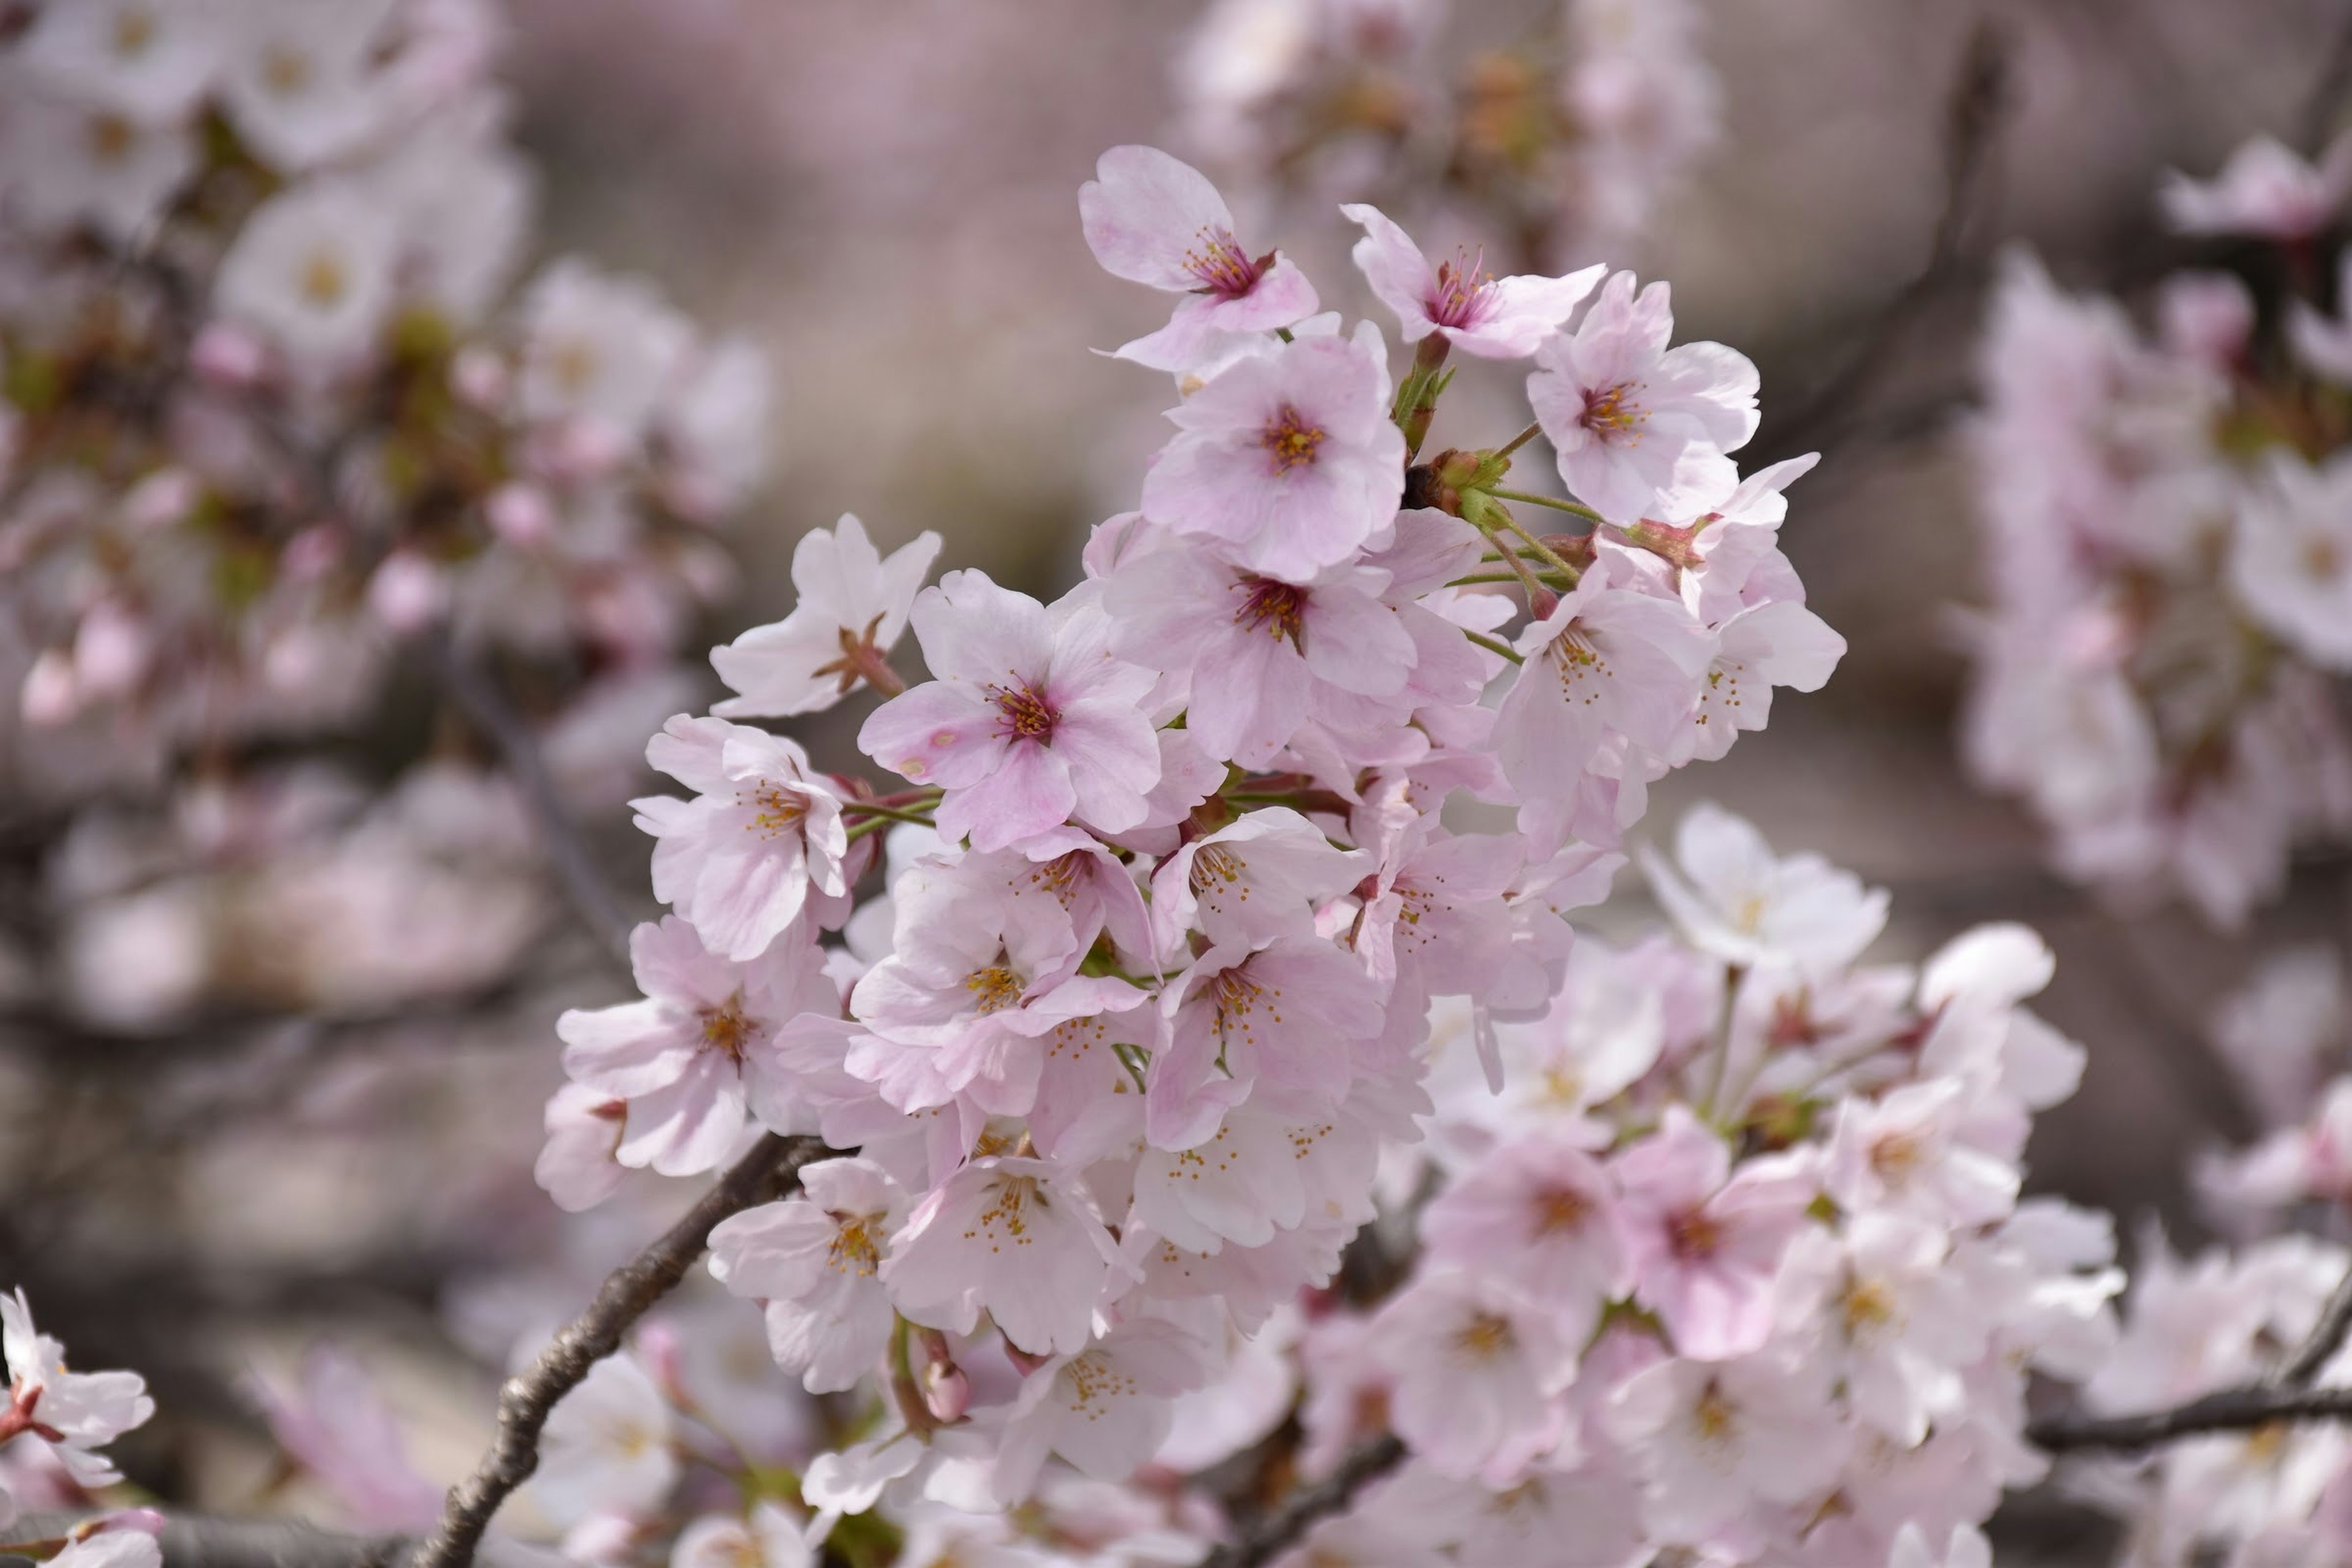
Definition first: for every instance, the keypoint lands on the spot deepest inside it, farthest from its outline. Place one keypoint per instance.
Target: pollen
(1868, 1305)
(1022, 714)
(110, 138)
(1277, 609)
(1713, 1417)
(725, 1028)
(1616, 415)
(996, 987)
(851, 1250)
(1291, 440)
(1224, 268)
(773, 812)
(134, 29)
(1465, 290)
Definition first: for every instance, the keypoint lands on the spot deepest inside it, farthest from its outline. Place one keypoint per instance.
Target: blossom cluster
(51, 1431)
(2168, 530)
(1223, 915)
(1565, 142)
(269, 406)
(2277, 1494)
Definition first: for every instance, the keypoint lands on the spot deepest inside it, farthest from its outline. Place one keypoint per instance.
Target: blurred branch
(593, 899)
(769, 1171)
(197, 1540)
(2318, 117)
(1275, 1533)
(2327, 1338)
(1976, 105)
(2230, 1410)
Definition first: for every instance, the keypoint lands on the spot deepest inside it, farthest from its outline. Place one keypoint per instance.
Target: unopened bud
(947, 1393)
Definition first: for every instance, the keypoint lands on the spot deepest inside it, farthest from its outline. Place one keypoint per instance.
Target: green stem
(1559, 562)
(896, 813)
(1518, 441)
(1492, 645)
(1568, 506)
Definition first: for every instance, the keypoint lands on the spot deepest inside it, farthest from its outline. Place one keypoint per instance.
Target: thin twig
(2326, 1339)
(2230, 1410)
(769, 1171)
(1276, 1533)
(1977, 102)
(593, 899)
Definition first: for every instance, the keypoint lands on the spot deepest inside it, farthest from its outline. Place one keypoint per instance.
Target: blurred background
(882, 197)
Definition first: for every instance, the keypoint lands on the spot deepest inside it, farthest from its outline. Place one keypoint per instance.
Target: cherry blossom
(1641, 430)
(1287, 459)
(1028, 720)
(73, 1414)
(1154, 220)
(1494, 318)
(2264, 189)
(851, 611)
(815, 1265)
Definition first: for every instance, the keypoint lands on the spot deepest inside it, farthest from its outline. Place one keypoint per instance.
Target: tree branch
(2327, 1338)
(2230, 1410)
(200, 1540)
(1977, 103)
(769, 1171)
(593, 899)
(1276, 1533)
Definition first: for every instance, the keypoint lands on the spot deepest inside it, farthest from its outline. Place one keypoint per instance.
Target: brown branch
(1273, 1534)
(200, 1540)
(2327, 1338)
(1977, 102)
(2230, 1410)
(769, 1171)
(479, 699)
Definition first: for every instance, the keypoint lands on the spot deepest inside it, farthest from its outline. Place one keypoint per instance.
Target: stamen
(1291, 439)
(1278, 609)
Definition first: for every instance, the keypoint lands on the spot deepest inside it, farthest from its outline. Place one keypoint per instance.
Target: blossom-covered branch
(769, 1170)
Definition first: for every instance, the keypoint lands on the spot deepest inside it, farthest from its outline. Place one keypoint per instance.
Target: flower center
(1895, 1156)
(1868, 1305)
(1616, 414)
(996, 987)
(111, 137)
(774, 812)
(1278, 609)
(1560, 1209)
(1291, 440)
(1485, 1336)
(851, 1250)
(1022, 713)
(1214, 864)
(725, 1028)
(286, 71)
(323, 280)
(1693, 1234)
(1712, 1416)
(1221, 264)
(133, 31)
(1464, 290)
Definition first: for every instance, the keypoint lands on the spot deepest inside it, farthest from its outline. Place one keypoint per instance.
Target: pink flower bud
(110, 650)
(48, 697)
(664, 1355)
(406, 593)
(161, 499)
(520, 514)
(227, 356)
(480, 377)
(947, 1393)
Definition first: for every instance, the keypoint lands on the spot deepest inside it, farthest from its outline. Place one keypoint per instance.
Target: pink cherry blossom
(1604, 661)
(2265, 189)
(697, 1055)
(72, 1414)
(1543, 1212)
(1287, 1014)
(1474, 1364)
(852, 609)
(1494, 318)
(1259, 877)
(814, 1261)
(1641, 430)
(1707, 1242)
(1288, 460)
(1154, 220)
(1105, 1409)
(1020, 1239)
(1258, 650)
(761, 842)
(1028, 721)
